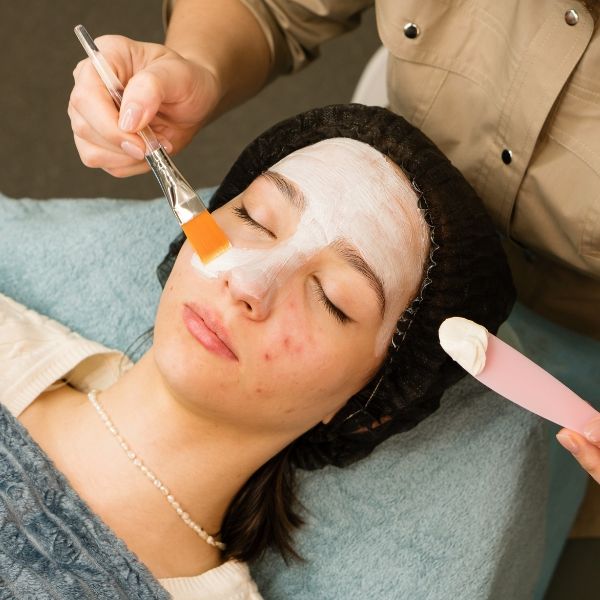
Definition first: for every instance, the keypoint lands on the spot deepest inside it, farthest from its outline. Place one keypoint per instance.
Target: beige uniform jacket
(510, 91)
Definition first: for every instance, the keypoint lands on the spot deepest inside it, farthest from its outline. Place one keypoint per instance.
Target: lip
(206, 327)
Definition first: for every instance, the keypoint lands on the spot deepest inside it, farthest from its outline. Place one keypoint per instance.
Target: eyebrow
(295, 196)
(356, 261)
(288, 188)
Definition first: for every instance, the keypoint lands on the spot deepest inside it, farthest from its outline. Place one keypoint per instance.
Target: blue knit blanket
(52, 546)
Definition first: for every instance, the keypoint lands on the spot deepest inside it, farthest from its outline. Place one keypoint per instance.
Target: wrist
(208, 36)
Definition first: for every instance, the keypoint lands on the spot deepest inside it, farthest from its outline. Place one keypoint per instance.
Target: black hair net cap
(467, 275)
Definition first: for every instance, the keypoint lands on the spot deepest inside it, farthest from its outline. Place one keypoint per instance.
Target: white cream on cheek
(353, 193)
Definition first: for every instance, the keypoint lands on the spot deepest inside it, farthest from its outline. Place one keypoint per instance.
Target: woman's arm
(225, 38)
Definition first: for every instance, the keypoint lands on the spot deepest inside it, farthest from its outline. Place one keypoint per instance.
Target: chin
(188, 370)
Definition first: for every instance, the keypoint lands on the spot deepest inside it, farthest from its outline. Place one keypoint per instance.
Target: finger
(120, 164)
(136, 169)
(592, 431)
(84, 131)
(78, 68)
(97, 112)
(143, 92)
(589, 458)
(97, 157)
(167, 81)
(141, 101)
(586, 453)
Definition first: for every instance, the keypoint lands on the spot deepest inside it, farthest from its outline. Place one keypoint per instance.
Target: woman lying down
(309, 343)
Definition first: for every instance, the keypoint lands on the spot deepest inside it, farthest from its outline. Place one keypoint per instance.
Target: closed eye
(329, 305)
(243, 214)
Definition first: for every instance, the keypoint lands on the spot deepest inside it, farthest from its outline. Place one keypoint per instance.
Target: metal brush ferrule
(181, 195)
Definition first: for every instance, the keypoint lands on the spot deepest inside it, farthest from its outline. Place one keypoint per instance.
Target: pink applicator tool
(512, 375)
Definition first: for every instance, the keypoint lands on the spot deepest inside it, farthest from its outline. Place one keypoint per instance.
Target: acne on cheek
(290, 339)
(287, 346)
(292, 346)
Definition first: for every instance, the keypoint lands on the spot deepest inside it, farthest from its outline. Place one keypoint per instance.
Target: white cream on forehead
(353, 193)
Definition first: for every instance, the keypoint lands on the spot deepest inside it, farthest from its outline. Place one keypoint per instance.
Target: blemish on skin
(292, 348)
(267, 356)
(258, 390)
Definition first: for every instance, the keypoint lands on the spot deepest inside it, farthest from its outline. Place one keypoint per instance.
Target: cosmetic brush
(200, 228)
(512, 375)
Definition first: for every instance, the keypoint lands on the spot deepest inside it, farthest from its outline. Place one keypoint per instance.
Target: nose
(255, 296)
(256, 277)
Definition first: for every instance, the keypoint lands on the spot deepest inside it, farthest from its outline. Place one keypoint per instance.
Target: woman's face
(275, 336)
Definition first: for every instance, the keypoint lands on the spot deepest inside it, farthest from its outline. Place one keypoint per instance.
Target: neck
(202, 463)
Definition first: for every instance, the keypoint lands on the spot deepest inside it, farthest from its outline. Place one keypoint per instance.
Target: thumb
(142, 98)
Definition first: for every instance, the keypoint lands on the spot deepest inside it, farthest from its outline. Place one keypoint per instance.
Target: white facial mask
(354, 194)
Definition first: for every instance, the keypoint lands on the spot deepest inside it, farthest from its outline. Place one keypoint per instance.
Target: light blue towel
(454, 508)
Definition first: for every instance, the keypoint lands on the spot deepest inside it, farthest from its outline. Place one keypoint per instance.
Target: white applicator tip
(465, 342)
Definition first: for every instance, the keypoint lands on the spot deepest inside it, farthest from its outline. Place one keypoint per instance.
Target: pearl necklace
(209, 539)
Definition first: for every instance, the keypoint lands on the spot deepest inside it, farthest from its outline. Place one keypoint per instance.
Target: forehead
(343, 163)
(341, 179)
(352, 192)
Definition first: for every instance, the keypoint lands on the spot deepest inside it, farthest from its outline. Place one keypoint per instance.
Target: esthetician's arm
(585, 451)
(216, 56)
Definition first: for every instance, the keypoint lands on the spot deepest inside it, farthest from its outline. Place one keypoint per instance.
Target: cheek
(291, 337)
(303, 369)
(164, 312)
(287, 345)
(289, 354)
(167, 311)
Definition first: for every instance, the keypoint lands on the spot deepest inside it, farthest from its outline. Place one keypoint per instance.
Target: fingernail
(132, 150)
(166, 144)
(130, 117)
(567, 442)
(592, 430)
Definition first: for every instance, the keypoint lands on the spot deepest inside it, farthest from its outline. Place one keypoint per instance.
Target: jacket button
(571, 17)
(506, 156)
(411, 30)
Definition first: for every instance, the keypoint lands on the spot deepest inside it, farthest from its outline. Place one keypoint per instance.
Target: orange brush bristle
(206, 237)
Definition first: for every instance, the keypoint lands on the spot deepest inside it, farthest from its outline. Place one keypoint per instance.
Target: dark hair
(467, 275)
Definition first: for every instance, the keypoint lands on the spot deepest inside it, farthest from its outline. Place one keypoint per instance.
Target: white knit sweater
(35, 352)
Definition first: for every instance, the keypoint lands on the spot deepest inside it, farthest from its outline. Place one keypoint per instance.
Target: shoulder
(231, 580)
(35, 351)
